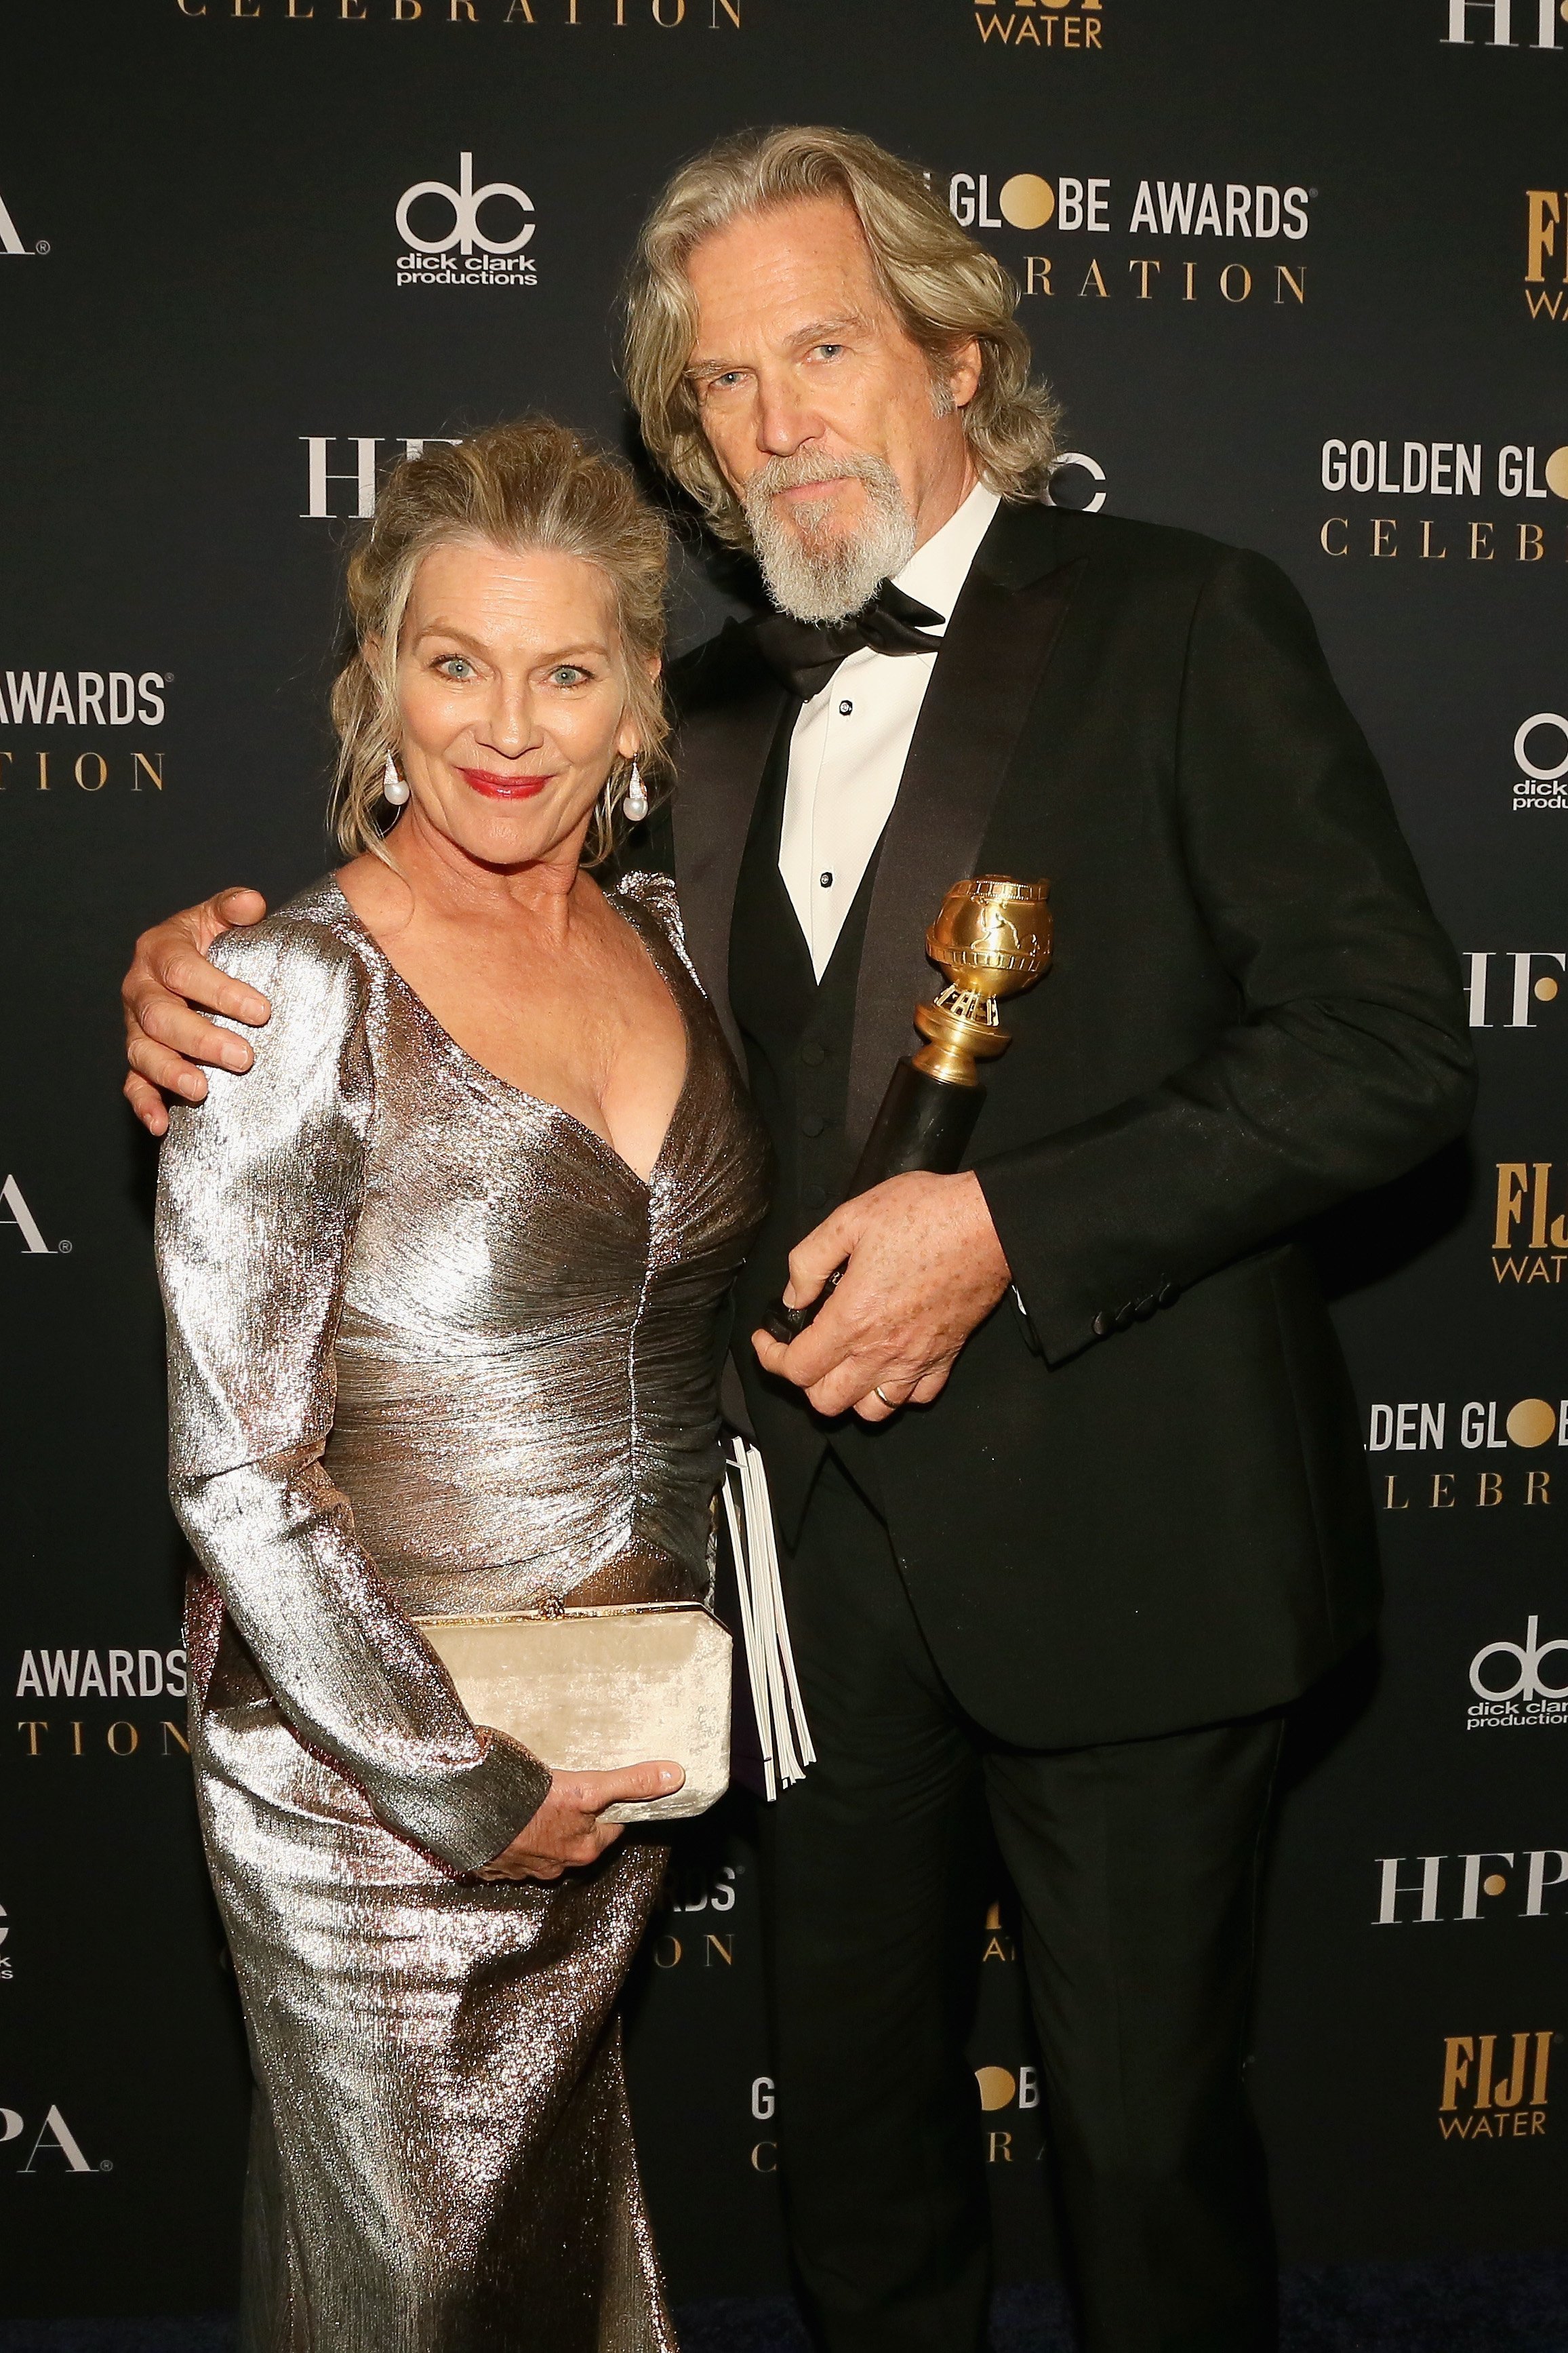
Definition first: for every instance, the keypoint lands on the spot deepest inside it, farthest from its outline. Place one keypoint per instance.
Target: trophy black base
(924, 1124)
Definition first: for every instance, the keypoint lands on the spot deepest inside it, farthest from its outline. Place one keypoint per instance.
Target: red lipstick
(495, 788)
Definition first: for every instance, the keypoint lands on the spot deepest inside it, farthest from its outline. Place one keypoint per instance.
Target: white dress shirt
(850, 742)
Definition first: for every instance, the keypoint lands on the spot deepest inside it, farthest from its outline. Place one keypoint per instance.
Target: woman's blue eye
(456, 666)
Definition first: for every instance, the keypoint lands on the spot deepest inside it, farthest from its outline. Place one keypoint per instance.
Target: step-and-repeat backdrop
(1301, 275)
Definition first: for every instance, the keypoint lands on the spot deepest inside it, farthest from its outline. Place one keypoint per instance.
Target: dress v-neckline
(625, 909)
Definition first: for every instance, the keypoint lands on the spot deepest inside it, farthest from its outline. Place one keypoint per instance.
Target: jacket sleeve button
(1124, 1315)
(1167, 1295)
(1100, 1326)
(1145, 1308)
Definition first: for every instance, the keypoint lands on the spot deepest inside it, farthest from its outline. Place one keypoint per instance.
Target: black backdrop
(213, 328)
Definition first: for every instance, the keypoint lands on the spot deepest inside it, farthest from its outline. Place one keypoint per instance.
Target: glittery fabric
(434, 1347)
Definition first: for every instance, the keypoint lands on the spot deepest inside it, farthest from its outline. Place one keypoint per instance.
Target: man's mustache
(807, 466)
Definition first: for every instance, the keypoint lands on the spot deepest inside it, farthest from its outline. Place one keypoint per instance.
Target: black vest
(797, 1031)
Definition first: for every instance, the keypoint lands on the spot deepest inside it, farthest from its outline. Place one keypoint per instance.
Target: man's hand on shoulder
(165, 1038)
(924, 1267)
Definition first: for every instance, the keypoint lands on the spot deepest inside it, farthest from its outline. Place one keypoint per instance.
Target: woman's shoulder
(312, 937)
(296, 1123)
(644, 887)
(315, 965)
(655, 893)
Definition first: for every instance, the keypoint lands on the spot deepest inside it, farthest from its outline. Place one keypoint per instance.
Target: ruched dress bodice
(530, 1332)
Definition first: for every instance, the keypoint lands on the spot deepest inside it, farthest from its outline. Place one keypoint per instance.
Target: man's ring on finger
(887, 1400)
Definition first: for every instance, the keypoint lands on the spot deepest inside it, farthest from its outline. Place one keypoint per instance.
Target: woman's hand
(567, 1832)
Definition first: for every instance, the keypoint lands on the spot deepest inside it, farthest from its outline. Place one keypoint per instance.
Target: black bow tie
(804, 654)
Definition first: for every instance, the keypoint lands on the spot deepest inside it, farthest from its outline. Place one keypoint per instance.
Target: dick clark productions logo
(449, 233)
(1541, 785)
(1516, 1690)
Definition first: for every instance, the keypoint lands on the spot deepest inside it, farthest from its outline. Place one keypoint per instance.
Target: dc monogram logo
(1550, 723)
(1528, 1682)
(465, 202)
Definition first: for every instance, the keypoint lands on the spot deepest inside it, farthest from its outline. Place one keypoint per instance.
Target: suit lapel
(999, 640)
(720, 753)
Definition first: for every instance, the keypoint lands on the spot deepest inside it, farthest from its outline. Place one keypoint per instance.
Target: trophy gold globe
(992, 938)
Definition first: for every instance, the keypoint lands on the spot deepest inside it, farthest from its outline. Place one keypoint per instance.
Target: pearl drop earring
(393, 787)
(636, 796)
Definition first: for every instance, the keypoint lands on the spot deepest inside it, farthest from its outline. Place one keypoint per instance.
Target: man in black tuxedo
(1067, 1470)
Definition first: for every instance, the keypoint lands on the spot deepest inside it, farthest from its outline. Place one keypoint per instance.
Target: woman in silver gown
(438, 1346)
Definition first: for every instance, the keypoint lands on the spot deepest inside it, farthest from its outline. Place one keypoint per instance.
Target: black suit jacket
(1161, 1518)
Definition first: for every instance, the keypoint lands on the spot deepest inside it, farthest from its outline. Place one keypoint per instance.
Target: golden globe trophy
(992, 938)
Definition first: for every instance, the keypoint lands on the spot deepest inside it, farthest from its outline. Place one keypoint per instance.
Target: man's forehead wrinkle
(756, 292)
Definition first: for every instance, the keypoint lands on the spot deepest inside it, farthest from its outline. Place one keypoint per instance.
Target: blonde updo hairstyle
(529, 485)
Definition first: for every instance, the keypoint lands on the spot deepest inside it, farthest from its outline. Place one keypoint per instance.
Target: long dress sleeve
(260, 1192)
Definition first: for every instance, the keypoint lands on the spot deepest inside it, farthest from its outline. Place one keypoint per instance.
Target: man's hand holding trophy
(992, 938)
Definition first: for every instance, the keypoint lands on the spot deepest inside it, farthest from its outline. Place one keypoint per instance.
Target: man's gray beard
(813, 570)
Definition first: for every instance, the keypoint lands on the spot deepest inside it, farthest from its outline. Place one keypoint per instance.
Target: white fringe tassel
(770, 1662)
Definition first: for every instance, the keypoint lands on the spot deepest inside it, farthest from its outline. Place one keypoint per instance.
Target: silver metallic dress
(434, 1347)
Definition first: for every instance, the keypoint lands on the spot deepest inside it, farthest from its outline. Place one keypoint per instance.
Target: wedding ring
(887, 1400)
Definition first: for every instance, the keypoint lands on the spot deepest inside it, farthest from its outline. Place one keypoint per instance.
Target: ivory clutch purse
(589, 1690)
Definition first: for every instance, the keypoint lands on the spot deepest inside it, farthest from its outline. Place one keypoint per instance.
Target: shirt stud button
(825, 879)
(812, 1125)
(845, 709)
